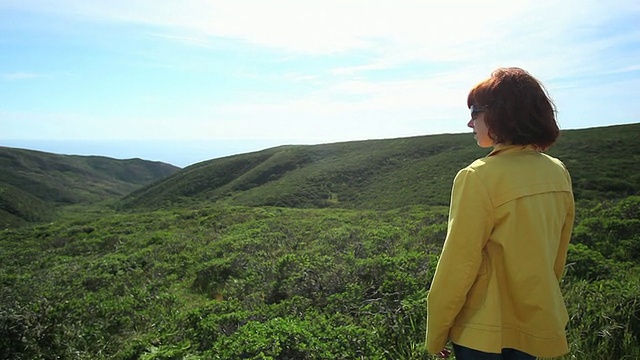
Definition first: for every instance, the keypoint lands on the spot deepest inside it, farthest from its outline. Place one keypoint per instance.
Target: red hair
(518, 109)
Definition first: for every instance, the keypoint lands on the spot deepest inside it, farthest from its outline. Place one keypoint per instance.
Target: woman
(495, 293)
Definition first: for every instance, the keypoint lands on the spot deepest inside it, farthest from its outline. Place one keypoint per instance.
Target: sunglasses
(476, 110)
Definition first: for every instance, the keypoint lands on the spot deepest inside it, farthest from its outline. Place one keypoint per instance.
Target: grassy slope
(33, 183)
(603, 161)
(384, 174)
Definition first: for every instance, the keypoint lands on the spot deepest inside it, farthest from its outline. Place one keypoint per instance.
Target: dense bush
(275, 283)
(605, 317)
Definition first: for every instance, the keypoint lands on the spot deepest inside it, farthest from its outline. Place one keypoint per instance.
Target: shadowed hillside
(383, 174)
(33, 183)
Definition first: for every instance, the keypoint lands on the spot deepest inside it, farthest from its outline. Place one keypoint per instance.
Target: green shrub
(275, 283)
(587, 264)
(604, 318)
(285, 338)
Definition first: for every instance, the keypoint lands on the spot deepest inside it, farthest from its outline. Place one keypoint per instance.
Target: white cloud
(195, 41)
(310, 26)
(395, 32)
(20, 76)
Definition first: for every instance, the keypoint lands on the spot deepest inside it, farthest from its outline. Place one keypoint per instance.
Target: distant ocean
(180, 153)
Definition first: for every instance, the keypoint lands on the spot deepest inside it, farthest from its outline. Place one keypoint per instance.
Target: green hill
(34, 184)
(384, 174)
(208, 277)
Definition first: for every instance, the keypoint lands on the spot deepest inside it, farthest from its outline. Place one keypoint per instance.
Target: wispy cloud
(393, 33)
(17, 76)
(187, 40)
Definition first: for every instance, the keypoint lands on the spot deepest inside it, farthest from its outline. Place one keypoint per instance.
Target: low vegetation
(277, 283)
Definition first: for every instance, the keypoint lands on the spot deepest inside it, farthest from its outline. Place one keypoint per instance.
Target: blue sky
(187, 81)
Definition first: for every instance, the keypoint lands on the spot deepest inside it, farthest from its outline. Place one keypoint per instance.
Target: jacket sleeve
(565, 236)
(471, 220)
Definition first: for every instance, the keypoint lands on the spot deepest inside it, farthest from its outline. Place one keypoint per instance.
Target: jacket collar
(508, 148)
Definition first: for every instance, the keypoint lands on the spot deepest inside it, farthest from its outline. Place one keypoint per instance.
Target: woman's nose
(470, 123)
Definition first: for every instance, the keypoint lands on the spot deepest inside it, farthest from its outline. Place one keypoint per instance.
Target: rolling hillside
(198, 277)
(34, 184)
(384, 174)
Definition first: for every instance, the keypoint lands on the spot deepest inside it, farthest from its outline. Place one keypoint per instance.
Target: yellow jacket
(497, 281)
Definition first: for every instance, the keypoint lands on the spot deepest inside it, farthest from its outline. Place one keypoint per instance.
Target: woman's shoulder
(518, 166)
